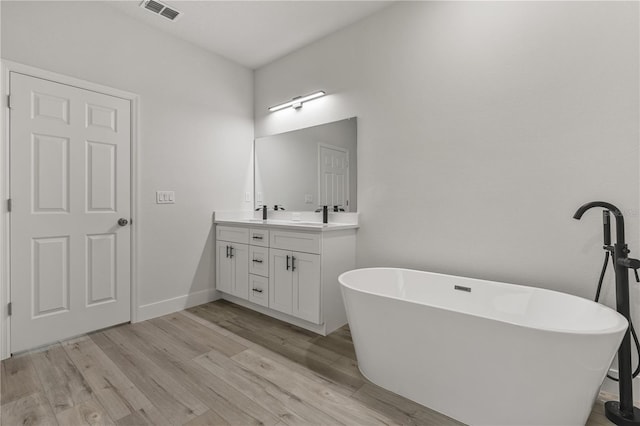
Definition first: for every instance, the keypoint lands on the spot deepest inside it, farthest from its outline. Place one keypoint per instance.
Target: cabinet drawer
(259, 237)
(259, 261)
(232, 234)
(296, 241)
(259, 290)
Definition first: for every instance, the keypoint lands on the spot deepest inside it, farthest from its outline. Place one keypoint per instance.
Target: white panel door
(70, 184)
(333, 176)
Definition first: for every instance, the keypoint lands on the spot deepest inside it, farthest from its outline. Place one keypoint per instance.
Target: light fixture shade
(297, 101)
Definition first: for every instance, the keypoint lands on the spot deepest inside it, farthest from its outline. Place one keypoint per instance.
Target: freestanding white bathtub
(482, 352)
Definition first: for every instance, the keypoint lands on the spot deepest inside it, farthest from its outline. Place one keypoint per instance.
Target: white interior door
(333, 176)
(70, 185)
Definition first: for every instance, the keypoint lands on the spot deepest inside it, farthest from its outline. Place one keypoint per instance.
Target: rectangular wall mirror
(305, 169)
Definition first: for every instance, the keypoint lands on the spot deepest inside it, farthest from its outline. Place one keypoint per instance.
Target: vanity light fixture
(296, 103)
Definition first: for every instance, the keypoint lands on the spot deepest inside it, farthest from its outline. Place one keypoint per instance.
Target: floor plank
(302, 352)
(399, 409)
(334, 380)
(337, 343)
(18, 378)
(211, 313)
(63, 384)
(117, 394)
(209, 418)
(144, 417)
(205, 322)
(221, 398)
(288, 407)
(89, 412)
(33, 410)
(168, 395)
(208, 337)
(342, 408)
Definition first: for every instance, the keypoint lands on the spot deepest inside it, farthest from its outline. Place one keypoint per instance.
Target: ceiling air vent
(160, 9)
(169, 13)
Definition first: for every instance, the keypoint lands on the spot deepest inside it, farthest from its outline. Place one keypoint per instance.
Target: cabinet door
(240, 259)
(224, 273)
(306, 286)
(280, 281)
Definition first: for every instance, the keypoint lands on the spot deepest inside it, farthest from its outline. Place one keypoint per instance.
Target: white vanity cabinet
(232, 261)
(291, 272)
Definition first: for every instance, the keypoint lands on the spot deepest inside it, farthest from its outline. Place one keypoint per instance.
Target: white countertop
(288, 224)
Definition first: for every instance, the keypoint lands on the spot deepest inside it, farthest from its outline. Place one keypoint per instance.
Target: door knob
(122, 221)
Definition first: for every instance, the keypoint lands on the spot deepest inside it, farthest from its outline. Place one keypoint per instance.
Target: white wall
(196, 126)
(482, 126)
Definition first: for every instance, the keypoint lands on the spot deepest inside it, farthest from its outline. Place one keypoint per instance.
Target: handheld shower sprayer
(606, 225)
(622, 412)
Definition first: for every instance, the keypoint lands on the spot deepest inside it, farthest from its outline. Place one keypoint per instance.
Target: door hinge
(9, 309)
(9, 102)
(9, 204)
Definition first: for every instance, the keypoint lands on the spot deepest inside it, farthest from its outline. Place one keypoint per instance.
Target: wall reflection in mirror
(305, 169)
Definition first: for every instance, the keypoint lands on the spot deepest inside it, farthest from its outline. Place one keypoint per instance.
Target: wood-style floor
(215, 364)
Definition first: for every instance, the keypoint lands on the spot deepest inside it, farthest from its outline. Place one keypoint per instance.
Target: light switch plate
(165, 197)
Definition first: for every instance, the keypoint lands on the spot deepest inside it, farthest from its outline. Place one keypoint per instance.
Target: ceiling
(253, 33)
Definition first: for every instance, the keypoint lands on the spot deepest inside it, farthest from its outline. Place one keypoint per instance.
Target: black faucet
(623, 412)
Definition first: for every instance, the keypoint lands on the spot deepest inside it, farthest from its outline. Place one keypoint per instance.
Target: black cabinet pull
(227, 251)
(293, 263)
(257, 237)
(230, 251)
(257, 290)
(257, 260)
(287, 263)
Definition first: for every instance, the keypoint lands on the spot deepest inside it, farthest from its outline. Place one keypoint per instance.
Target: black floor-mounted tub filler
(620, 412)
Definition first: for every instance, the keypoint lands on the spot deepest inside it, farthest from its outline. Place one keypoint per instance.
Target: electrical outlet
(247, 197)
(165, 197)
(308, 199)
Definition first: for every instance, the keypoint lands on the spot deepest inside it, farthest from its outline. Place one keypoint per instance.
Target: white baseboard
(164, 307)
